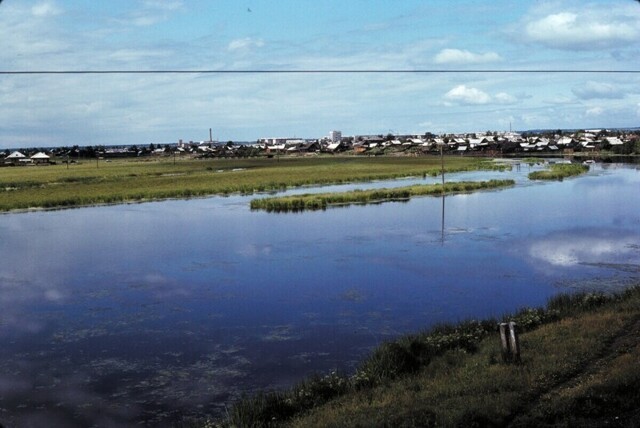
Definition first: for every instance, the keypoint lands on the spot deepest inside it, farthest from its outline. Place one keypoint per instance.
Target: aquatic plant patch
(324, 200)
(559, 172)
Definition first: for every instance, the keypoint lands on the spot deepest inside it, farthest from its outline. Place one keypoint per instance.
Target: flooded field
(160, 312)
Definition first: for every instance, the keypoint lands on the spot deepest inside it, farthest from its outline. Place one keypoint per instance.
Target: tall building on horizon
(335, 136)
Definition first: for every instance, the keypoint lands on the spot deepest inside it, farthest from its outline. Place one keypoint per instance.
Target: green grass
(579, 368)
(121, 181)
(321, 201)
(559, 172)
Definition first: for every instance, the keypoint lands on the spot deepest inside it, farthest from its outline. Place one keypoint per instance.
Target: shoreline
(124, 183)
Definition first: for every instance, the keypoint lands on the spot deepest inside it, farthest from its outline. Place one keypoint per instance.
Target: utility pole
(442, 165)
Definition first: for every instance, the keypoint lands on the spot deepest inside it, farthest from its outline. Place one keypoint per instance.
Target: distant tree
(152, 147)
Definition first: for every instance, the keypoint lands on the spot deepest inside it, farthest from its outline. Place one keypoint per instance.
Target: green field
(119, 181)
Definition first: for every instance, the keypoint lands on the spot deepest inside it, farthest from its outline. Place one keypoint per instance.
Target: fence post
(514, 342)
(510, 342)
(505, 341)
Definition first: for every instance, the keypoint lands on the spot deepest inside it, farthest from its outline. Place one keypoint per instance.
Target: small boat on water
(588, 162)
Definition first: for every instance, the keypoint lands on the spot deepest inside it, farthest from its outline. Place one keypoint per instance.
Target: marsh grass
(120, 181)
(452, 375)
(559, 172)
(322, 201)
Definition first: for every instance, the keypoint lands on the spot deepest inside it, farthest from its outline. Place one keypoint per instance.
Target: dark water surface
(155, 312)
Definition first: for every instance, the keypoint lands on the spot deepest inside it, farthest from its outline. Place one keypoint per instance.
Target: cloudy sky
(48, 110)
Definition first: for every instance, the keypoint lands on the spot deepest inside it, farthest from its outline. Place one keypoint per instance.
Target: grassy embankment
(559, 172)
(579, 367)
(120, 181)
(321, 201)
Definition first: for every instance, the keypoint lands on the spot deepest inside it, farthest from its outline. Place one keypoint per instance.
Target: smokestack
(210, 136)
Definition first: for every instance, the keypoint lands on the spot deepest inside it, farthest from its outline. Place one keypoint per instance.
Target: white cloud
(457, 56)
(45, 9)
(584, 31)
(594, 111)
(597, 90)
(153, 12)
(244, 44)
(463, 94)
(504, 98)
(163, 4)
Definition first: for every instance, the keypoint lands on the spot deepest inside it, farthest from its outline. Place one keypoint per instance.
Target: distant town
(559, 142)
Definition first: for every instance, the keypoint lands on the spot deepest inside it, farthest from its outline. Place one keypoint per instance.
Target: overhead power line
(320, 71)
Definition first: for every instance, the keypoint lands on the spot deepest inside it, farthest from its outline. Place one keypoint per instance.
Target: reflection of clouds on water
(580, 246)
(161, 286)
(85, 392)
(16, 294)
(253, 250)
(280, 333)
(353, 295)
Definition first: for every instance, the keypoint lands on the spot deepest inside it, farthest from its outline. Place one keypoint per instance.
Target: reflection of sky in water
(587, 246)
(157, 310)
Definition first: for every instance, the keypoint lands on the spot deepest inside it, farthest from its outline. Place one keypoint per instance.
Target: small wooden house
(16, 158)
(40, 158)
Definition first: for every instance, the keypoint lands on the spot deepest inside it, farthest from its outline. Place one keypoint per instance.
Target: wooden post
(504, 340)
(514, 342)
(510, 342)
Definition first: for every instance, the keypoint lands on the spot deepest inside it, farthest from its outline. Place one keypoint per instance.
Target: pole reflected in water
(442, 223)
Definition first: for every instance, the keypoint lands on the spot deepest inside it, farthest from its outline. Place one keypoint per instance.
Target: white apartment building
(335, 136)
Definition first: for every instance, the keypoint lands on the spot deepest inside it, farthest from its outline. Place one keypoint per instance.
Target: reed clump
(322, 201)
(559, 172)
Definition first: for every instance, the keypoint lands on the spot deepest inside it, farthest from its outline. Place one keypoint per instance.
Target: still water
(111, 316)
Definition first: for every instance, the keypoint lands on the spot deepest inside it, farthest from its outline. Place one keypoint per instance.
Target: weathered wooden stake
(504, 340)
(510, 342)
(514, 342)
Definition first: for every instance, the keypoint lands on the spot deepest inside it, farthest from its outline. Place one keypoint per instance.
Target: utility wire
(320, 71)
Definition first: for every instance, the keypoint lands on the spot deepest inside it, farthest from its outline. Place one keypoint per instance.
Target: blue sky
(49, 110)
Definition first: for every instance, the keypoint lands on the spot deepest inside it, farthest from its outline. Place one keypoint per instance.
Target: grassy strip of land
(579, 367)
(91, 182)
(321, 201)
(559, 172)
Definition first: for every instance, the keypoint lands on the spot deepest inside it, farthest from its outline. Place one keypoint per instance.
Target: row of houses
(490, 144)
(19, 158)
(498, 143)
